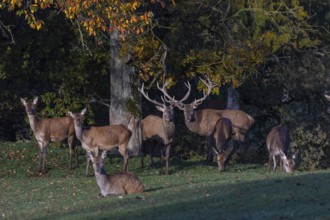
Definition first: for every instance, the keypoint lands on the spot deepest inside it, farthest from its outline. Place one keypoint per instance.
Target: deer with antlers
(101, 138)
(203, 122)
(162, 128)
(48, 130)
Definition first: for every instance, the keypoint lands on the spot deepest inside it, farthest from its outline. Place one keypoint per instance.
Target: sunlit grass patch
(193, 190)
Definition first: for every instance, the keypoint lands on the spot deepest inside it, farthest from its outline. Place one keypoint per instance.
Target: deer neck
(34, 123)
(101, 178)
(79, 131)
(168, 127)
(193, 124)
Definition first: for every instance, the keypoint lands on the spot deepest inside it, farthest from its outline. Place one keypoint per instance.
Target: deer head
(221, 158)
(77, 117)
(30, 107)
(289, 162)
(98, 161)
(189, 109)
(167, 111)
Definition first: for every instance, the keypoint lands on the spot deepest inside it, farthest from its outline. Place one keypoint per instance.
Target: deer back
(240, 120)
(278, 140)
(107, 137)
(55, 129)
(125, 183)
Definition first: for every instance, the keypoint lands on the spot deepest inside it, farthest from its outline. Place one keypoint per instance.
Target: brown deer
(278, 143)
(241, 123)
(48, 130)
(153, 127)
(102, 138)
(115, 184)
(202, 122)
(222, 133)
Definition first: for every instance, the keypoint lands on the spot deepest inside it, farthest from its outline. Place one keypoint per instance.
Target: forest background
(274, 54)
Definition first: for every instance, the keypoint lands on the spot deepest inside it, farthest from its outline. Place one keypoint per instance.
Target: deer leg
(44, 158)
(270, 158)
(143, 153)
(167, 156)
(209, 143)
(123, 152)
(72, 149)
(274, 162)
(161, 157)
(233, 151)
(40, 159)
(245, 146)
(76, 155)
(87, 164)
(152, 150)
(70, 161)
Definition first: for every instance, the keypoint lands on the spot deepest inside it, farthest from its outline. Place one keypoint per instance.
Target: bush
(313, 143)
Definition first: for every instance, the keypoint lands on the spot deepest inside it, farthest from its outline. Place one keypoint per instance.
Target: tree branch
(6, 32)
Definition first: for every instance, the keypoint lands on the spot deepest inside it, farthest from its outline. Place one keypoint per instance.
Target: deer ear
(23, 101)
(35, 100)
(195, 104)
(83, 111)
(70, 114)
(296, 155)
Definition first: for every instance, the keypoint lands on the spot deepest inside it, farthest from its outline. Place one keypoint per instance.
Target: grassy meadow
(191, 191)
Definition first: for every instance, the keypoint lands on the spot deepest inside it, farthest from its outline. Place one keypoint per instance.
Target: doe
(116, 184)
(278, 143)
(49, 130)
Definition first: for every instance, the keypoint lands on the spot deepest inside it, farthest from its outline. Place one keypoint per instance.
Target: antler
(166, 98)
(147, 96)
(210, 85)
(171, 99)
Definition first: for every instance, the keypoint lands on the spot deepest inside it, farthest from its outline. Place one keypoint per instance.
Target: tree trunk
(121, 93)
(232, 98)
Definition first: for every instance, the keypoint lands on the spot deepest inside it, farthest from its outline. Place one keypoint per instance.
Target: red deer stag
(203, 121)
(115, 184)
(156, 127)
(50, 130)
(102, 138)
(278, 143)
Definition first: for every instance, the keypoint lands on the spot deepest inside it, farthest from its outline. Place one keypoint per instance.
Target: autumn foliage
(94, 15)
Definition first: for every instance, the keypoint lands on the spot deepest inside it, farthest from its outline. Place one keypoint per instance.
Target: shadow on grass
(287, 197)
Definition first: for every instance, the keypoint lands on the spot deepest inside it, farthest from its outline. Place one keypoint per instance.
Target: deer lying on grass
(50, 130)
(156, 127)
(222, 133)
(116, 184)
(202, 122)
(278, 143)
(101, 138)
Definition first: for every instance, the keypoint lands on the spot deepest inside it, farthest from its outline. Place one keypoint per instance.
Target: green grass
(191, 191)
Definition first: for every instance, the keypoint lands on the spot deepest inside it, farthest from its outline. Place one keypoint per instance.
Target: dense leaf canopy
(275, 53)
